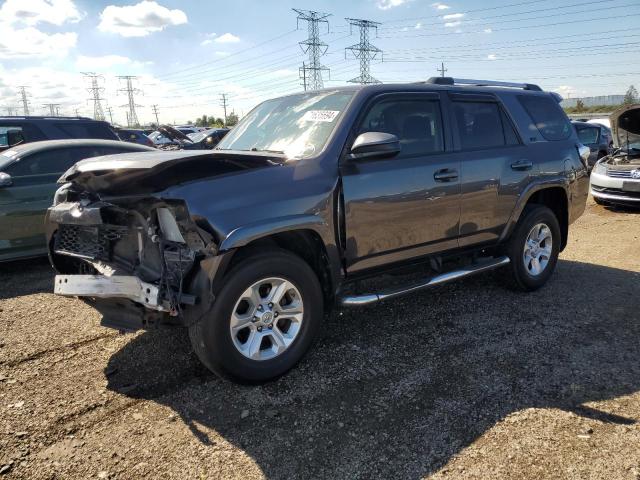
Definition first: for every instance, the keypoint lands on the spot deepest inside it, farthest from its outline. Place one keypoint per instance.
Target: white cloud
(452, 24)
(220, 53)
(206, 42)
(418, 26)
(32, 12)
(139, 20)
(440, 6)
(451, 16)
(492, 56)
(387, 4)
(487, 30)
(227, 38)
(105, 62)
(31, 42)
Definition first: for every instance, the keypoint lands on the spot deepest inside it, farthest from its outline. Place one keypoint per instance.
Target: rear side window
(588, 135)
(55, 161)
(483, 125)
(417, 123)
(87, 130)
(548, 117)
(10, 135)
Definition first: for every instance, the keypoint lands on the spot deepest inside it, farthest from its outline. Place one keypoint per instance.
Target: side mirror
(375, 145)
(5, 180)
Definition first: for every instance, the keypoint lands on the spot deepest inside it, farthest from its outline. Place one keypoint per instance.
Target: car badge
(635, 173)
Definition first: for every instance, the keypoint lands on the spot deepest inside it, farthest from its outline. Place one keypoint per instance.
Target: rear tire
(533, 248)
(248, 338)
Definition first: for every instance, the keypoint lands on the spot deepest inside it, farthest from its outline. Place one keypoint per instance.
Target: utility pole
(442, 70)
(25, 101)
(54, 108)
(77, 111)
(110, 110)
(95, 90)
(155, 112)
(363, 51)
(132, 116)
(223, 104)
(312, 73)
(11, 111)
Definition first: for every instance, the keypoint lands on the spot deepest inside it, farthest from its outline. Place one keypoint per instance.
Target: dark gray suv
(310, 202)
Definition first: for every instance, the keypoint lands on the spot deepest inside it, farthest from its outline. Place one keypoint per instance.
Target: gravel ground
(466, 381)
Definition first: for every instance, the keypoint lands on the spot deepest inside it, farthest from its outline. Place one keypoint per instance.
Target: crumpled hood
(174, 134)
(148, 172)
(625, 124)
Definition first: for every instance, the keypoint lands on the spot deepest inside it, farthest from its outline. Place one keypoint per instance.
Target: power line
(223, 104)
(110, 110)
(54, 108)
(25, 101)
(95, 90)
(312, 73)
(364, 51)
(155, 112)
(132, 116)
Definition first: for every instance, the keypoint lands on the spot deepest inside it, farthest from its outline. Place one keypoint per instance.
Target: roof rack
(481, 83)
(43, 117)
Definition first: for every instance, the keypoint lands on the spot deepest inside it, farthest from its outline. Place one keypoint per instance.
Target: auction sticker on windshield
(320, 115)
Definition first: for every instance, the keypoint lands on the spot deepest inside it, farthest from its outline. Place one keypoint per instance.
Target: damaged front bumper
(140, 262)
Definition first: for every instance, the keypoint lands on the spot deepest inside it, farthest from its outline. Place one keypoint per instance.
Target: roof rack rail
(482, 83)
(44, 117)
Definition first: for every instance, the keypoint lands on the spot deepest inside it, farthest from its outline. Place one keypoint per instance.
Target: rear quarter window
(547, 116)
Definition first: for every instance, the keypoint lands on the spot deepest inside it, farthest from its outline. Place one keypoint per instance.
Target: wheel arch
(553, 196)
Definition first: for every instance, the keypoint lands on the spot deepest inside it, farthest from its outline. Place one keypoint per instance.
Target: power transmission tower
(363, 51)
(11, 111)
(110, 110)
(442, 70)
(54, 108)
(132, 116)
(155, 112)
(95, 90)
(312, 73)
(25, 101)
(223, 104)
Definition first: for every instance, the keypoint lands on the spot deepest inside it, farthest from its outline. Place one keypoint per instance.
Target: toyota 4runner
(317, 199)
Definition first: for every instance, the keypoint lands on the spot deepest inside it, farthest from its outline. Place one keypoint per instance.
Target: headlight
(61, 194)
(600, 168)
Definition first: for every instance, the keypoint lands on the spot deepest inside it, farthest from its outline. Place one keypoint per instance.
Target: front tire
(263, 320)
(533, 248)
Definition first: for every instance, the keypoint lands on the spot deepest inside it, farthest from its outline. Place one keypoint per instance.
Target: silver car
(615, 179)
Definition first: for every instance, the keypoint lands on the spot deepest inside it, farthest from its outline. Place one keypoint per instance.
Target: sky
(186, 53)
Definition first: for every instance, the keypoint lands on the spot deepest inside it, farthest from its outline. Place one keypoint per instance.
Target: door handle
(445, 175)
(522, 165)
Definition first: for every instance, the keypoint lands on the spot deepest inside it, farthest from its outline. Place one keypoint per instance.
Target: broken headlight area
(134, 260)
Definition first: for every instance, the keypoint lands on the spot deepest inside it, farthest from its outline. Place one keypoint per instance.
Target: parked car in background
(601, 121)
(595, 136)
(19, 130)
(28, 175)
(615, 179)
(207, 139)
(134, 136)
(310, 198)
(186, 129)
(161, 140)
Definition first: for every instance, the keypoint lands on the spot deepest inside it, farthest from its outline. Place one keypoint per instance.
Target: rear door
(409, 205)
(495, 166)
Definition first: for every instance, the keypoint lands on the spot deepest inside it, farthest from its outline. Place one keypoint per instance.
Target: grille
(619, 173)
(84, 241)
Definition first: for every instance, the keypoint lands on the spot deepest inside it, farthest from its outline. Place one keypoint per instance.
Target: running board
(367, 299)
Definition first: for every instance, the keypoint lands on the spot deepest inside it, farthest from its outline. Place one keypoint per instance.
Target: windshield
(297, 125)
(587, 135)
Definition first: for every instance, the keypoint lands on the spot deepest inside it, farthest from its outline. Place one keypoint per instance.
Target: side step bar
(367, 299)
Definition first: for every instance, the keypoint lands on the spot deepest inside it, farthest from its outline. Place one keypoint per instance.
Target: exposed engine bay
(136, 250)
